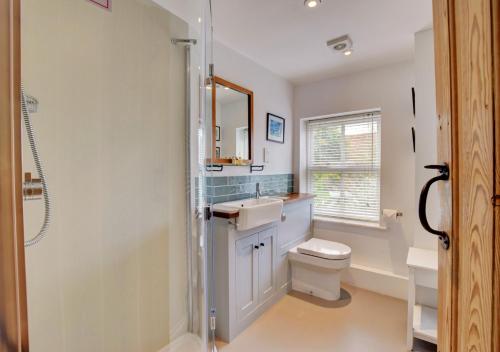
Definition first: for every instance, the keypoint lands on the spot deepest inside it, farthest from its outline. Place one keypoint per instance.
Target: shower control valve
(32, 187)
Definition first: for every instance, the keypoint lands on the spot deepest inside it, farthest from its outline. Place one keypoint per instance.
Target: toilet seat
(324, 249)
(338, 264)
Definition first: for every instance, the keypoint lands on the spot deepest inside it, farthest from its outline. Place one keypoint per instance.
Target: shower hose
(38, 165)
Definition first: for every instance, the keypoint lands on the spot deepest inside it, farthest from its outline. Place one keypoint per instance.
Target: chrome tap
(257, 190)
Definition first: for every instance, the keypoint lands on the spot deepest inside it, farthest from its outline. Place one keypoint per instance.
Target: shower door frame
(13, 301)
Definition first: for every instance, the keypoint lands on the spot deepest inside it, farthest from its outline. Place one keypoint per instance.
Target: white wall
(388, 88)
(426, 133)
(271, 94)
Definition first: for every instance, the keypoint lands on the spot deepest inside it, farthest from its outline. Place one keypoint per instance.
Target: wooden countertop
(297, 197)
(292, 198)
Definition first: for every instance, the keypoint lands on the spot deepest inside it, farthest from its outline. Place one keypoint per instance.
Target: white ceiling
(290, 39)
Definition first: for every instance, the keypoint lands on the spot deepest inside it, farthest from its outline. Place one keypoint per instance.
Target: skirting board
(185, 343)
(375, 280)
(179, 330)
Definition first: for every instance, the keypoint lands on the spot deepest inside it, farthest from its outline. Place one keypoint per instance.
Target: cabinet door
(247, 252)
(267, 278)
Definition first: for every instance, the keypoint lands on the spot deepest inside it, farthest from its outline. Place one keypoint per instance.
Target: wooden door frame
(464, 33)
(13, 306)
(496, 101)
(446, 136)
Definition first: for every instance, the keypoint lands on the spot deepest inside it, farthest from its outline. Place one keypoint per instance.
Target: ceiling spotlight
(348, 52)
(312, 3)
(226, 88)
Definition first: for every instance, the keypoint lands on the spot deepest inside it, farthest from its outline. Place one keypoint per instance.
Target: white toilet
(316, 266)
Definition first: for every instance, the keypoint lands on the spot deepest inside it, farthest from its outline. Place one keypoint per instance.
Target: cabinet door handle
(256, 247)
(262, 244)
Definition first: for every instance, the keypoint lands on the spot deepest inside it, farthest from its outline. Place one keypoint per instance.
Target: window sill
(365, 224)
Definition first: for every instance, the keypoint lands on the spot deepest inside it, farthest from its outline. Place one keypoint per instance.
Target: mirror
(232, 128)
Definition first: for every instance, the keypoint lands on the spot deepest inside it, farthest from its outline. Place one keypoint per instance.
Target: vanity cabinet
(295, 229)
(251, 267)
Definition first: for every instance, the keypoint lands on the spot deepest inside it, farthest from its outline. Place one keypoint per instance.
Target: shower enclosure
(116, 109)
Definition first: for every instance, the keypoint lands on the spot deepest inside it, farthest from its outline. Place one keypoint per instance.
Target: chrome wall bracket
(176, 41)
(32, 104)
(32, 187)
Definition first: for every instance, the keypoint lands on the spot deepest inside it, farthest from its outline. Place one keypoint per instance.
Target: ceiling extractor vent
(341, 44)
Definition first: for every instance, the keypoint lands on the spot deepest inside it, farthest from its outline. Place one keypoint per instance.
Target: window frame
(308, 170)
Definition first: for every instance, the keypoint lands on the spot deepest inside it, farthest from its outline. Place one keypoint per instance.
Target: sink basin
(254, 212)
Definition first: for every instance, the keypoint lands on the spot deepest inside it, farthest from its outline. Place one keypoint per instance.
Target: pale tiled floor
(299, 323)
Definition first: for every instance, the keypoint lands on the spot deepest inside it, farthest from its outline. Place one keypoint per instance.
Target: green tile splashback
(227, 188)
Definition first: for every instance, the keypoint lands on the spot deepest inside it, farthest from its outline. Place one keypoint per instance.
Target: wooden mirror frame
(214, 160)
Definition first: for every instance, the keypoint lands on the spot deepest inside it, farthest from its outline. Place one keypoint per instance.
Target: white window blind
(344, 166)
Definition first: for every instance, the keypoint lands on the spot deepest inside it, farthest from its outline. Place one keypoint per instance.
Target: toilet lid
(324, 249)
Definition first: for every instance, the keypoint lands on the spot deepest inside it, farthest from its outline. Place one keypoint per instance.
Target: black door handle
(444, 175)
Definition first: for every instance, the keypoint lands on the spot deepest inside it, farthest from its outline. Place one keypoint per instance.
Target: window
(343, 166)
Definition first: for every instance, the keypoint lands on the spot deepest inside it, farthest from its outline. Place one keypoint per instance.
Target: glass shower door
(116, 102)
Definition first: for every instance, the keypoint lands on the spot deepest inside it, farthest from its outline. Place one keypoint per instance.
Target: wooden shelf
(425, 323)
(422, 259)
(422, 272)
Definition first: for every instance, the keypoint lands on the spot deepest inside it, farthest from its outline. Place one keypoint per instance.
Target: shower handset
(33, 187)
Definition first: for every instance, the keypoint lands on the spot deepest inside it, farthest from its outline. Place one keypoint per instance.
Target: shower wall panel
(111, 274)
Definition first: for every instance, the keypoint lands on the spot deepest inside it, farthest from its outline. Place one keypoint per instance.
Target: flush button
(283, 217)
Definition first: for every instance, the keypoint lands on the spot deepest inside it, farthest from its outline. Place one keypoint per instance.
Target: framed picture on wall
(105, 4)
(275, 128)
(217, 133)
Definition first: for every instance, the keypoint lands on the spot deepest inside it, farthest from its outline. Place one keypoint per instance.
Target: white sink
(254, 212)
